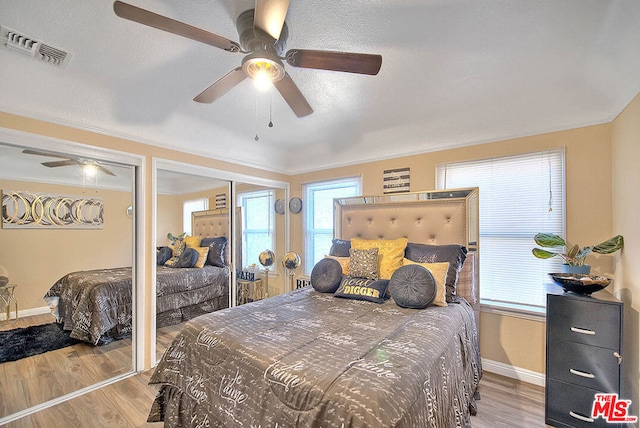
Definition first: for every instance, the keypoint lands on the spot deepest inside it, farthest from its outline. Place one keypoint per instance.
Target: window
(319, 216)
(519, 197)
(257, 225)
(190, 206)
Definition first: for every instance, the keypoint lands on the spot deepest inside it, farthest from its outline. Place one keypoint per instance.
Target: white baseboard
(27, 313)
(524, 375)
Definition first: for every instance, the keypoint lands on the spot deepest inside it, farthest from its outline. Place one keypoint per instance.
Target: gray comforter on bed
(306, 359)
(96, 305)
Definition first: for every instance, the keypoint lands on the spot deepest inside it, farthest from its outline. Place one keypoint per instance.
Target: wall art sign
(396, 180)
(28, 210)
(221, 201)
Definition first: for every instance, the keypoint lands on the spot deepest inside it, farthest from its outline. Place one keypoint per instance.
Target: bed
(96, 305)
(310, 359)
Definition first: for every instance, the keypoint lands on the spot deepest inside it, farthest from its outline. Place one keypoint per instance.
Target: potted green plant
(574, 257)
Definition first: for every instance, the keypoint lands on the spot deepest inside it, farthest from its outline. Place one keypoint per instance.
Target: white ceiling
(454, 73)
(16, 165)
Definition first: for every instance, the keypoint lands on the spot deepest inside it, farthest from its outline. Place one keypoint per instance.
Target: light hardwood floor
(34, 380)
(504, 403)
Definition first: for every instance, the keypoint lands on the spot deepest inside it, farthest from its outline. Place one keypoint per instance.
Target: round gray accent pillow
(326, 276)
(188, 258)
(163, 254)
(412, 286)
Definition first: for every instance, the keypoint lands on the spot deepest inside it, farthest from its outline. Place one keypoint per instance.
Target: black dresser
(584, 345)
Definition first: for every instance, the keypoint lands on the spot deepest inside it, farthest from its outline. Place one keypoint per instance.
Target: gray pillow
(453, 253)
(326, 276)
(340, 248)
(412, 286)
(217, 250)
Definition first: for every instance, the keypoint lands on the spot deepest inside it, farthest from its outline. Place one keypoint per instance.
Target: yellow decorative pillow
(439, 272)
(390, 253)
(203, 252)
(192, 241)
(344, 262)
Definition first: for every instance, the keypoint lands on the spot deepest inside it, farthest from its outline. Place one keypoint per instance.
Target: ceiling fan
(67, 161)
(263, 37)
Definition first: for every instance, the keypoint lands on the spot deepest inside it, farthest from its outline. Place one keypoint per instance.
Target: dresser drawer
(583, 321)
(571, 405)
(584, 365)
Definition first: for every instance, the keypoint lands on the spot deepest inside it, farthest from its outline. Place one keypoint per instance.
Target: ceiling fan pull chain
(270, 107)
(256, 116)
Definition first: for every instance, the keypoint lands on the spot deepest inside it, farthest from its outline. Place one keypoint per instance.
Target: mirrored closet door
(261, 240)
(209, 206)
(193, 229)
(66, 255)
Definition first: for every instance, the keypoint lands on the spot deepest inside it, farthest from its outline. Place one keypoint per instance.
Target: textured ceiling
(16, 165)
(454, 73)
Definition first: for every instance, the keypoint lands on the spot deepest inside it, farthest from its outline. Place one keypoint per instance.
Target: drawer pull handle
(580, 417)
(583, 374)
(619, 357)
(582, 331)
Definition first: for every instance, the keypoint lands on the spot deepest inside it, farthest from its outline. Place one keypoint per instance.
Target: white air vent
(28, 46)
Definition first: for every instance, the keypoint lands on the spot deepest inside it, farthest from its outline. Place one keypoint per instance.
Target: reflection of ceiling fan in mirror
(263, 37)
(68, 161)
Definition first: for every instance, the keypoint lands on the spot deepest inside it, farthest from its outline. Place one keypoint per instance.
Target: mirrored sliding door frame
(137, 162)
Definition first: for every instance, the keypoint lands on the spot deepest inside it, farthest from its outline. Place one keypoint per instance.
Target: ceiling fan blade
(221, 86)
(269, 16)
(54, 164)
(336, 61)
(103, 169)
(39, 153)
(293, 96)
(151, 19)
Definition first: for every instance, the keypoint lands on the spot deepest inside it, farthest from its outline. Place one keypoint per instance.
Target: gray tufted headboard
(210, 223)
(434, 217)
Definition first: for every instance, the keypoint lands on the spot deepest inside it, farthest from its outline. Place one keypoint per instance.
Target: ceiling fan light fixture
(89, 170)
(264, 68)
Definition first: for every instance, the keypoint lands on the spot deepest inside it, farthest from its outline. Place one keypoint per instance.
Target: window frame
(241, 198)
(308, 190)
(513, 308)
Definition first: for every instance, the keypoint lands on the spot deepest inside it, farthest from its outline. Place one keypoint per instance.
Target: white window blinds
(519, 197)
(318, 225)
(190, 206)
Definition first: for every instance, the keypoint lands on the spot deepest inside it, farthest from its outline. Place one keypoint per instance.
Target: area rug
(25, 342)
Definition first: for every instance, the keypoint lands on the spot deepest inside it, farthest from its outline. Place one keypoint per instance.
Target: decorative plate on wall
(279, 206)
(295, 205)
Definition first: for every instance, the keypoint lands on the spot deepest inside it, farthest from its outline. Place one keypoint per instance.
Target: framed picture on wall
(396, 180)
(221, 201)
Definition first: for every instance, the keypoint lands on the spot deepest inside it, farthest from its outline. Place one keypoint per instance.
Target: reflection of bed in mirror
(312, 358)
(96, 305)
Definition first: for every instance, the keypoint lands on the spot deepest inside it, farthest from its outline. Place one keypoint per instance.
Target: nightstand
(584, 346)
(249, 290)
